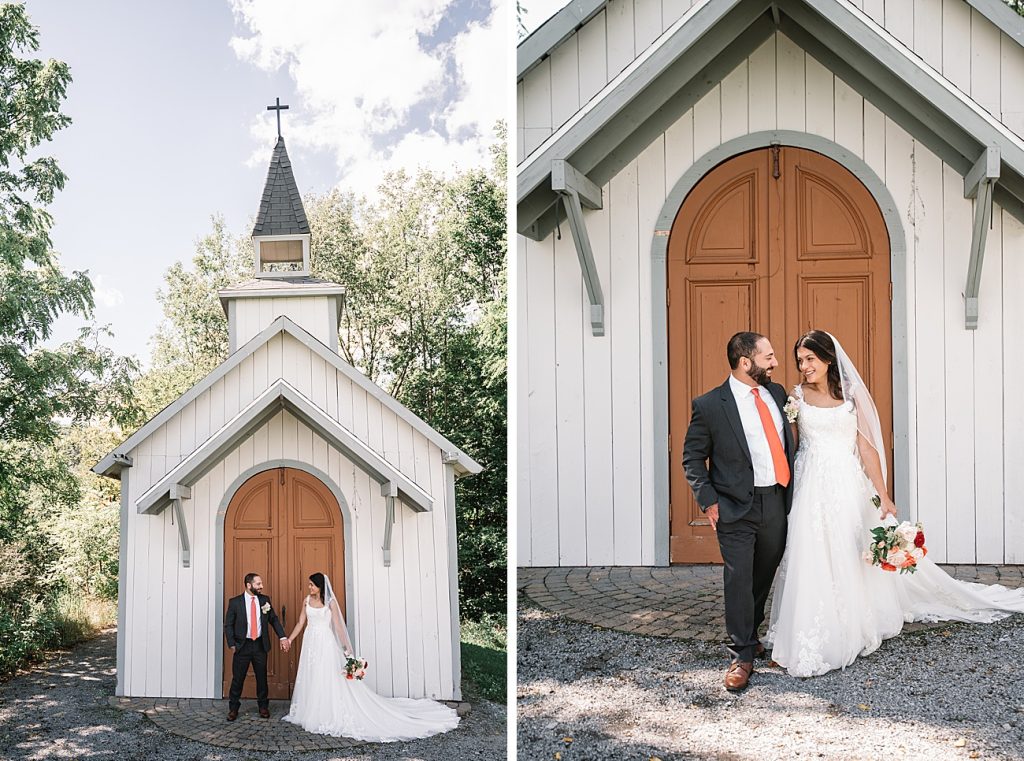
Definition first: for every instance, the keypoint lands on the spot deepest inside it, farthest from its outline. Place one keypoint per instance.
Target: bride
(326, 703)
(829, 604)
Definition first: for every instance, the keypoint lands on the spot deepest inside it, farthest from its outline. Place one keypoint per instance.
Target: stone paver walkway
(204, 720)
(683, 602)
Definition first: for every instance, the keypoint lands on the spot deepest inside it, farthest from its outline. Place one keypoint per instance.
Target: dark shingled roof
(281, 211)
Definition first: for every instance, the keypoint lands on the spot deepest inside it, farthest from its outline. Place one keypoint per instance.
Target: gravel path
(59, 710)
(948, 693)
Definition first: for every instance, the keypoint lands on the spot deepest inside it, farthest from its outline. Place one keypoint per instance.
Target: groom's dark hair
(742, 345)
(248, 578)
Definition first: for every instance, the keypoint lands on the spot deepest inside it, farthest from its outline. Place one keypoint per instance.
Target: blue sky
(170, 124)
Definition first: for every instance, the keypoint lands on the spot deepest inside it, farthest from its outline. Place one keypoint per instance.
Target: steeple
(282, 284)
(281, 234)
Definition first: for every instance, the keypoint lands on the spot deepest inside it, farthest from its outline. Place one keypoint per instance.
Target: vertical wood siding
(585, 408)
(312, 313)
(948, 35)
(402, 613)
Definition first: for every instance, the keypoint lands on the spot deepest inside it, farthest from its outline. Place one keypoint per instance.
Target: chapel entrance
(778, 240)
(283, 524)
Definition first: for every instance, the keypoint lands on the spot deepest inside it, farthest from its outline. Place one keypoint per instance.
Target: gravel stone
(60, 709)
(951, 692)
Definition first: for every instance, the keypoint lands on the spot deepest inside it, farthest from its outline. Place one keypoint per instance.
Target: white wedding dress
(829, 604)
(325, 702)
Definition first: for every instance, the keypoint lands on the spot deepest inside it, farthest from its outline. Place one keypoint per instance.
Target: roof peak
(281, 211)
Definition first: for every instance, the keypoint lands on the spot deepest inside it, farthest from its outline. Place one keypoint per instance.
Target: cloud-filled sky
(170, 124)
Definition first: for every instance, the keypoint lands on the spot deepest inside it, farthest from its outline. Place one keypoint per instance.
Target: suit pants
(751, 550)
(250, 651)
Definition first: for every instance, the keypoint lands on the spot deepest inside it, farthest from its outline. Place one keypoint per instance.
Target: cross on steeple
(278, 108)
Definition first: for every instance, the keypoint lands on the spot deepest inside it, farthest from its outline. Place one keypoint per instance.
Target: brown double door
(778, 241)
(283, 524)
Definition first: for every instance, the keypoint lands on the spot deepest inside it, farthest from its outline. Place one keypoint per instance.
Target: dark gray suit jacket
(716, 457)
(235, 629)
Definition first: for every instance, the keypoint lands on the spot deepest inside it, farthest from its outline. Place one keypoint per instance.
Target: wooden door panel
(285, 525)
(777, 252)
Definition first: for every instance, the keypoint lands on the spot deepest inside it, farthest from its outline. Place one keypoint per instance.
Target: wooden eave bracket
(178, 492)
(390, 492)
(978, 184)
(576, 192)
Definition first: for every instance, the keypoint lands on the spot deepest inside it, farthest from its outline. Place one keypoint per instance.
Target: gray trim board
(216, 688)
(553, 32)
(621, 120)
(557, 29)
(659, 314)
(122, 584)
(280, 395)
(999, 13)
(332, 341)
(106, 466)
(453, 578)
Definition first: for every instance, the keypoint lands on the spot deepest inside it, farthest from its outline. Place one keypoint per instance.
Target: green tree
(42, 389)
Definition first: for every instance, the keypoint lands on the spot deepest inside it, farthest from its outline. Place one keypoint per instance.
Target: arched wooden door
(778, 241)
(283, 524)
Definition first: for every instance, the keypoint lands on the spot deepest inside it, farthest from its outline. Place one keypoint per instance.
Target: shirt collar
(740, 389)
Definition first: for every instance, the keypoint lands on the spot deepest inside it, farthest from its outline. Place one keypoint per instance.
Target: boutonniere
(266, 607)
(791, 409)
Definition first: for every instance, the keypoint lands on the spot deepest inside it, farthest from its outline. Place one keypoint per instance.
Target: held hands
(712, 516)
(286, 644)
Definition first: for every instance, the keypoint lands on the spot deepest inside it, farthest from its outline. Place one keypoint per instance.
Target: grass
(484, 662)
(28, 633)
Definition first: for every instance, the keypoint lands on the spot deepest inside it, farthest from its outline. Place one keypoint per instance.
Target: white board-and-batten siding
(401, 616)
(585, 428)
(252, 315)
(949, 35)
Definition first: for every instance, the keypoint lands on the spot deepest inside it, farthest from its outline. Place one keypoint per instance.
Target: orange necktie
(774, 442)
(252, 612)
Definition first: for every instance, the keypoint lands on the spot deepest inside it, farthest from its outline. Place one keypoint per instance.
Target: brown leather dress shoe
(738, 676)
(264, 713)
(232, 714)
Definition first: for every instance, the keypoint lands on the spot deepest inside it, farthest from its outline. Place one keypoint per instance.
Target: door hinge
(890, 290)
(668, 297)
(282, 476)
(775, 161)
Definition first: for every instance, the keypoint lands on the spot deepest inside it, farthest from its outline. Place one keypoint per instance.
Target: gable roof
(281, 211)
(709, 41)
(280, 395)
(118, 458)
(540, 43)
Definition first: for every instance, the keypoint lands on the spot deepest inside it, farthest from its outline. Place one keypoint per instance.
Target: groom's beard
(758, 374)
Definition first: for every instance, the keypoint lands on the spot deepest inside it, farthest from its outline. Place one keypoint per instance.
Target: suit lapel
(732, 413)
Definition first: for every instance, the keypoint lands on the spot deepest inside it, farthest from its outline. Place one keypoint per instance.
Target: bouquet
(355, 668)
(896, 547)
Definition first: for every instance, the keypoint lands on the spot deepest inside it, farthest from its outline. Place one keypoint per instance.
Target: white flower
(897, 558)
(907, 532)
(266, 607)
(791, 409)
(917, 553)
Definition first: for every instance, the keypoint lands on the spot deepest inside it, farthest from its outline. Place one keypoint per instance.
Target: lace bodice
(832, 428)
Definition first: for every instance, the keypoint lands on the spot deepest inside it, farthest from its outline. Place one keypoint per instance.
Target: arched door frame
(229, 493)
(659, 315)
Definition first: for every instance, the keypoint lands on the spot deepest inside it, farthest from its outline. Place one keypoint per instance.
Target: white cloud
(106, 295)
(371, 92)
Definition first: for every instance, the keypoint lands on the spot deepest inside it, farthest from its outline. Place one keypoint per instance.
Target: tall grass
(30, 629)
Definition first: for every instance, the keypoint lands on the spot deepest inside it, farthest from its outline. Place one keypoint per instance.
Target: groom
(246, 627)
(738, 458)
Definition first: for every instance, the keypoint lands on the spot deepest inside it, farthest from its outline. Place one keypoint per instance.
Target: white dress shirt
(248, 613)
(757, 442)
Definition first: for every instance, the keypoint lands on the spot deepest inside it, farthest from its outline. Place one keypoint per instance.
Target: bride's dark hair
(824, 348)
(318, 579)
